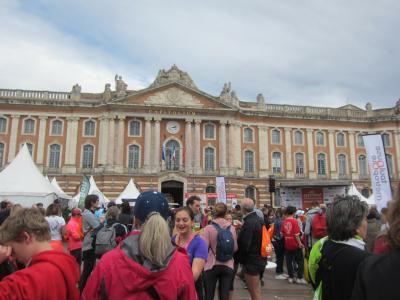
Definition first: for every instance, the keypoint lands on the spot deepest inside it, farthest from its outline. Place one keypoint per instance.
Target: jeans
(223, 275)
(297, 257)
(89, 259)
(279, 248)
(77, 253)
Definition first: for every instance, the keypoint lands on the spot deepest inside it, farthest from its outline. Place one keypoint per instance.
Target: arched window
(248, 135)
(276, 136)
(320, 138)
(56, 127)
(298, 137)
(54, 158)
(172, 155)
(342, 164)
(276, 163)
(360, 141)
(209, 158)
(30, 148)
(209, 131)
(362, 165)
(3, 125)
(1, 154)
(389, 162)
(250, 192)
(386, 140)
(29, 126)
(210, 189)
(87, 157)
(249, 161)
(340, 139)
(134, 128)
(90, 128)
(133, 157)
(321, 160)
(299, 163)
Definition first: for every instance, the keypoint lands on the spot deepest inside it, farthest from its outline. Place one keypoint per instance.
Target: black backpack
(225, 243)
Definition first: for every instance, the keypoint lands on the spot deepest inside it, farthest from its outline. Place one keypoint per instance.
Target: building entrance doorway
(173, 190)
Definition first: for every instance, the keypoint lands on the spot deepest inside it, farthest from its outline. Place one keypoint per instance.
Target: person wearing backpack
(308, 228)
(279, 246)
(318, 225)
(220, 237)
(249, 252)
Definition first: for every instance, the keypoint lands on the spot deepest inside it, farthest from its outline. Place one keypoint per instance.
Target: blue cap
(149, 202)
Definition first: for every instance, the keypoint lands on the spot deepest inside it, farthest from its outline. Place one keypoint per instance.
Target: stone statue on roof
(228, 95)
(173, 75)
(120, 86)
(397, 107)
(76, 92)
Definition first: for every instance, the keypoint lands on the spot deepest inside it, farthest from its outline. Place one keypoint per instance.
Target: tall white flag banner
(378, 169)
(221, 192)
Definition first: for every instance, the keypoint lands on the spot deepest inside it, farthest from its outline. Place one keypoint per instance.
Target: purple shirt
(197, 248)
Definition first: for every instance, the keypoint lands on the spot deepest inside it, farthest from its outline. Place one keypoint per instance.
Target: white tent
(94, 190)
(130, 192)
(371, 200)
(22, 182)
(60, 192)
(74, 202)
(354, 192)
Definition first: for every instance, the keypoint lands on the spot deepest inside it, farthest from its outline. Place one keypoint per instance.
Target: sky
(309, 52)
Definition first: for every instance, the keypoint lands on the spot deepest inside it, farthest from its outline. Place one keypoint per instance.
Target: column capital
(72, 118)
(351, 131)
(148, 119)
(189, 120)
(286, 129)
(223, 122)
(43, 117)
(309, 130)
(15, 116)
(263, 127)
(157, 119)
(331, 131)
(197, 121)
(121, 117)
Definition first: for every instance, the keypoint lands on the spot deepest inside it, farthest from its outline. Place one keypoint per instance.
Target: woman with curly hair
(377, 276)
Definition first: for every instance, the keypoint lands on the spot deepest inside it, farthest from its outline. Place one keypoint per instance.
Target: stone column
(119, 158)
(147, 145)
(197, 147)
(397, 143)
(157, 146)
(222, 148)
(332, 154)
(353, 158)
(13, 137)
(231, 150)
(111, 144)
(310, 153)
(103, 141)
(288, 156)
(238, 149)
(70, 145)
(42, 136)
(188, 146)
(263, 150)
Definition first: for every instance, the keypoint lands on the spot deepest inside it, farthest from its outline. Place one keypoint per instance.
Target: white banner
(220, 181)
(378, 169)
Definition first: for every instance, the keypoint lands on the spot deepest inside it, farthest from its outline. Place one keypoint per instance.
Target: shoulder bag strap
(153, 293)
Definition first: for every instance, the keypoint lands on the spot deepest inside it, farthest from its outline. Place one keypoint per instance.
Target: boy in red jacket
(49, 274)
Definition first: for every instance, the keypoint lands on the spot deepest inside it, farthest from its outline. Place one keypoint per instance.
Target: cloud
(294, 52)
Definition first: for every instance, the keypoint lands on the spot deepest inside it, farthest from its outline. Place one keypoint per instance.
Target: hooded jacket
(123, 273)
(50, 275)
(74, 234)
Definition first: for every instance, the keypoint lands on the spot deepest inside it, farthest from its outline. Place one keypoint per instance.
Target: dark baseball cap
(149, 202)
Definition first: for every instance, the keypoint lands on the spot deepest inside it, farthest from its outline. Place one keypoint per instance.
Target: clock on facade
(173, 127)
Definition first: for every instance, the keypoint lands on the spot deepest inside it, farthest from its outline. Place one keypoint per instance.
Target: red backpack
(318, 226)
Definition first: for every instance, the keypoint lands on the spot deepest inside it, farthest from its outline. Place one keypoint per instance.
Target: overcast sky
(322, 53)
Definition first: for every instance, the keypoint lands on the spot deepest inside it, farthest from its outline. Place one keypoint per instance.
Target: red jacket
(124, 278)
(50, 275)
(74, 234)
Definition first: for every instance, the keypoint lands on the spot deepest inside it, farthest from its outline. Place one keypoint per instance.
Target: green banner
(84, 190)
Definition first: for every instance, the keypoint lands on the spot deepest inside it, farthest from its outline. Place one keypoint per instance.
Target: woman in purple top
(194, 244)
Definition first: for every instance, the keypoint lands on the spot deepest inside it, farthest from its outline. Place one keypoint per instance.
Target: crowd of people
(345, 250)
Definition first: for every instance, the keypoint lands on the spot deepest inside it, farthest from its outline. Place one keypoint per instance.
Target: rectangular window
(3, 125)
(209, 131)
(276, 137)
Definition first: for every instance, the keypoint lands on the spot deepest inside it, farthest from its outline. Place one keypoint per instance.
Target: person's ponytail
(154, 240)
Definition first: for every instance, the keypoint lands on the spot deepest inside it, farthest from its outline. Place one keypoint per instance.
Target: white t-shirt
(55, 223)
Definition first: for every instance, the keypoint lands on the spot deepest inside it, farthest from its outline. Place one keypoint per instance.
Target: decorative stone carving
(174, 97)
(368, 107)
(173, 75)
(76, 92)
(120, 86)
(228, 95)
(260, 102)
(107, 92)
(397, 107)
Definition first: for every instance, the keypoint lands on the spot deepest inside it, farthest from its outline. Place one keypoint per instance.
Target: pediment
(351, 107)
(173, 95)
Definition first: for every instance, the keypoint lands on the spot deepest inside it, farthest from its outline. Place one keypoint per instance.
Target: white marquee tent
(130, 192)
(94, 190)
(354, 192)
(22, 182)
(60, 192)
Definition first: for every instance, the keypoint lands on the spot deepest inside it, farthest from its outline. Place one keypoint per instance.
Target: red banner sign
(308, 195)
